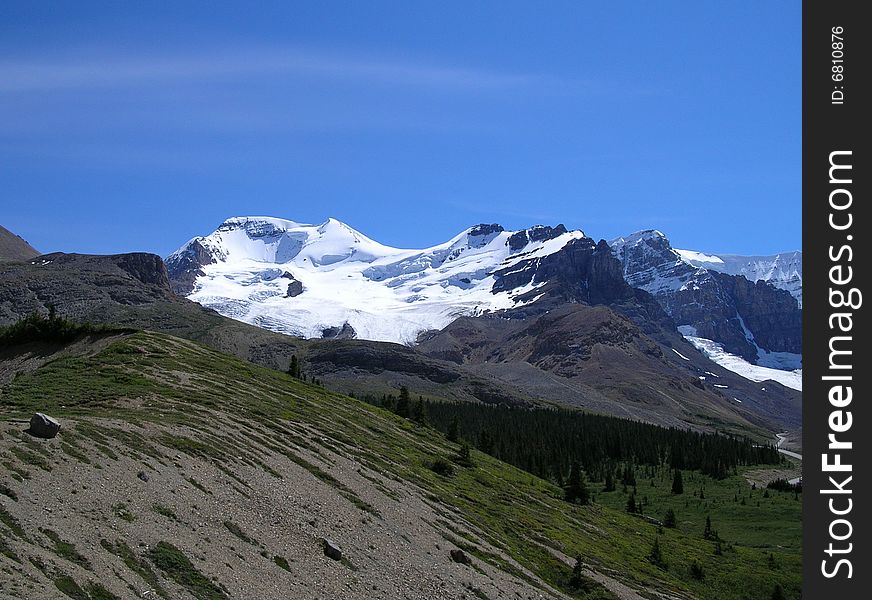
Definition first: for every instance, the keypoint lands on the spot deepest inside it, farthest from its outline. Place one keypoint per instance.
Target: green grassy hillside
(179, 408)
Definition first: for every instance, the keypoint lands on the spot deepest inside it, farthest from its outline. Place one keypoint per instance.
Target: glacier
(383, 293)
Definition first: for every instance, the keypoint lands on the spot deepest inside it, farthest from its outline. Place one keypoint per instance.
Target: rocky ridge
(747, 318)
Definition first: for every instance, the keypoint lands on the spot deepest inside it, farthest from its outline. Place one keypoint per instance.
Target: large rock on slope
(44, 426)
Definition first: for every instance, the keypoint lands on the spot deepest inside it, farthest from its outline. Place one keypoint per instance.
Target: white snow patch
(687, 330)
(680, 354)
(740, 366)
(692, 257)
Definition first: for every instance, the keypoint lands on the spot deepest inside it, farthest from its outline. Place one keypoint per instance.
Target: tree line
(548, 442)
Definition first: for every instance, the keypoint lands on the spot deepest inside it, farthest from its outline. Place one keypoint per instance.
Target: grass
(237, 531)
(179, 568)
(521, 515)
(98, 592)
(164, 511)
(68, 586)
(135, 564)
(31, 458)
(7, 551)
(66, 550)
(282, 562)
(92, 591)
(198, 485)
(12, 523)
(121, 511)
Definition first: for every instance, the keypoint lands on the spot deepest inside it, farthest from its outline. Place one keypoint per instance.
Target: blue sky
(137, 125)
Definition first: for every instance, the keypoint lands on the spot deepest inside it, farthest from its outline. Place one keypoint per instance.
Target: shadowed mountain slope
(13, 247)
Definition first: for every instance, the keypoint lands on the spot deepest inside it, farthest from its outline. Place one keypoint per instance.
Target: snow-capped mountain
(782, 270)
(330, 280)
(744, 318)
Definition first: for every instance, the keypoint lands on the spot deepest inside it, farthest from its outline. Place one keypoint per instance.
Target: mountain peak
(14, 247)
(245, 269)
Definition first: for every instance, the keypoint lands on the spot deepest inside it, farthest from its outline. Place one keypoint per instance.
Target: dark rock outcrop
(43, 426)
(484, 229)
(346, 332)
(729, 309)
(586, 272)
(537, 233)
(332, 550)
(185, 266)
(460, 557)
(295, 287)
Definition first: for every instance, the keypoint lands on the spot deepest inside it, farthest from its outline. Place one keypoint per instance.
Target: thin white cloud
(105, 69)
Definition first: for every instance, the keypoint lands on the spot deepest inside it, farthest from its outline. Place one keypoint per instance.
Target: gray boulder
(331, 550)
(43, 426)
(459, 556)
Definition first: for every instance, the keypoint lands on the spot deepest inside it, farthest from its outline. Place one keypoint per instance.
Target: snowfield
(314, 281)
(384, 293)
(737, 364)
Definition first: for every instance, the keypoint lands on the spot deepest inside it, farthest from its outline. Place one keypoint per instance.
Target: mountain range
(526, 317)
(329, 280)
(206, 453)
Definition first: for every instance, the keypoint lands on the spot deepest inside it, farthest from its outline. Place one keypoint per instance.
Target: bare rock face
(295, 286)
(535, 234)
(44, 426)
(459, 556)
(729, 309)
(583, 271)
(346, 332)
(184, 267)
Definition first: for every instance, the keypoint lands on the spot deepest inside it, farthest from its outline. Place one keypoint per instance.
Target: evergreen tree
(707, 533)
(629, 475)
(610, 480)
(696, 571)
(656, 555)
(677, 483)
(778, 593)
(631, 503)
(576, 490)
(453, 430)
(669, 519)
(419, 413)
(486, 442)
(464, 456)
(294, 368)
(402, 408)
(577, 580)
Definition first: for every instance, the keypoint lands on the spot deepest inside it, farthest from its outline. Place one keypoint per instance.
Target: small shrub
(655, 556)
(179, 568)
(442, 467)
(164, 511)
